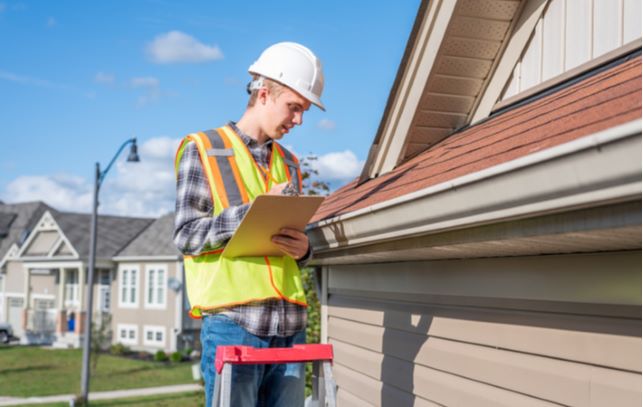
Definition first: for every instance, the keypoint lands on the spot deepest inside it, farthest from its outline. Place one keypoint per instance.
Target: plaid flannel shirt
(197, 231)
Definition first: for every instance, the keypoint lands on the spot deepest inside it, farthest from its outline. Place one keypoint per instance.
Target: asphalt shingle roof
(18, 219)
(604, 100)
(156, 240)
(113, 233)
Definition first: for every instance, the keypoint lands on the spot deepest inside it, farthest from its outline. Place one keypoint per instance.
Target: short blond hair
(275, 89)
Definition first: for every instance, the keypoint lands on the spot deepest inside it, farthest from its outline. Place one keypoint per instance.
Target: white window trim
(127, 328)
(163, 304)
(121, 268)
(154, 329)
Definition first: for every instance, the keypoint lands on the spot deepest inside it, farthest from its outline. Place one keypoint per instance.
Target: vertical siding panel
(529, 68)
(631, 20)
(577, 32)
(552, 42)
(512, 87)
(605, 27)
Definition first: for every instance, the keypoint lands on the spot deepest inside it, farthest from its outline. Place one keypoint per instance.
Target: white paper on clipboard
(267, 215)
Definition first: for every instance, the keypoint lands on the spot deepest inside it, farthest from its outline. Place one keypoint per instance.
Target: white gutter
(443, 205)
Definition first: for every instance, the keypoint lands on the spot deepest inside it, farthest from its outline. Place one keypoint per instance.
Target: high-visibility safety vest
(235, 178)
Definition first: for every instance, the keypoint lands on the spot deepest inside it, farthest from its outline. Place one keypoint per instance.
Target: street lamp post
(99, 177)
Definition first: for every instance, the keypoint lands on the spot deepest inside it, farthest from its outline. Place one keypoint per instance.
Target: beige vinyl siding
(43, 284)
(14, 280)
(454, 349)
(63, 250)
(140, 316)
(42, 243)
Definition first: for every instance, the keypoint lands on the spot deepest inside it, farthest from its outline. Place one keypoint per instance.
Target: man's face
(283, 112)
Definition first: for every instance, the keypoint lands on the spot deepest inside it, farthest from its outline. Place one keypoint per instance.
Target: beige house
(490, 252)
(150, 309)
(138, 290)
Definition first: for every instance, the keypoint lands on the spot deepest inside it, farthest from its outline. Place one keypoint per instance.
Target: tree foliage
(311, 186)
(310, 177)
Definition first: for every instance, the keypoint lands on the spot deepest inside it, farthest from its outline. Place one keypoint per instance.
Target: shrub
(119, 349)
(160, 356)
(176, 357)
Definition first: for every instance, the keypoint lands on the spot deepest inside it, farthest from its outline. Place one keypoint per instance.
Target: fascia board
(12, 249)
(519, 188)
(398, 120)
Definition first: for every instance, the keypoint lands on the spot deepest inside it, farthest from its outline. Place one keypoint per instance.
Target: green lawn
(165, 400)
(33, 371)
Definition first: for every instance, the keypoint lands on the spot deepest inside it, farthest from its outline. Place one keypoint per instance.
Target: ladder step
(248, 355)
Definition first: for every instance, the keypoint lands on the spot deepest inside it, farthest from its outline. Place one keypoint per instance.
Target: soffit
(474, 39)
(607, 228)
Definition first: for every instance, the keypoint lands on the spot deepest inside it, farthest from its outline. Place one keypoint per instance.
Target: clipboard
(267, 215)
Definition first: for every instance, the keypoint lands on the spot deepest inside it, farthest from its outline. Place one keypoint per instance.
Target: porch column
(61, 288)
(80, 315)
(61, 315)
(81, 287)
(27, 291)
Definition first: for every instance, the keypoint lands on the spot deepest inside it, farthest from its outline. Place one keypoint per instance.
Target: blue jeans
(252, 385)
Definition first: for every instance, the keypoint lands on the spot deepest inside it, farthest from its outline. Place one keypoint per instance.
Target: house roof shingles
(604, 100)
(114, 232)
(24, 217)
(156, 240)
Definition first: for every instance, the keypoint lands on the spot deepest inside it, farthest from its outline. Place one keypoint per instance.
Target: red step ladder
(247, 355)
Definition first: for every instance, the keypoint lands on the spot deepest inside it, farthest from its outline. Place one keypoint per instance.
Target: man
(253, 301)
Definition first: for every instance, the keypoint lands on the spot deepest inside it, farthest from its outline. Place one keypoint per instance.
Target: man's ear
(262, 95)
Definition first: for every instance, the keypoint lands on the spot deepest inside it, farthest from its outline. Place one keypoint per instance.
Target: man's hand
(292, 242)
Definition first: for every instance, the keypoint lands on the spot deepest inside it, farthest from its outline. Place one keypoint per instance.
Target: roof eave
(609, 170)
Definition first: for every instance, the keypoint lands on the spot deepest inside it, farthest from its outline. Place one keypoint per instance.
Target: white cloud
(176, 46)
(105, 78)
(326, 124)
(151, 89)
(145, 188)
(337, 166)
(62, 191)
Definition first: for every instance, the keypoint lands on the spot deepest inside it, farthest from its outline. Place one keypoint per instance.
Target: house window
(154, 336)
(156, 284)
(127, 334)
(71, 287)
(128, 286)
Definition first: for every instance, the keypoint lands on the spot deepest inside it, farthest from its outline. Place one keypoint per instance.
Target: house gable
(558, 42)
(452, 52)
(47, 240)
(469, 59)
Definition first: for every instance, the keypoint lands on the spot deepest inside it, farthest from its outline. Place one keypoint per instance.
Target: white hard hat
(295, 66)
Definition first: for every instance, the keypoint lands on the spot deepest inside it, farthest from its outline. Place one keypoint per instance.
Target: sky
(78, 78)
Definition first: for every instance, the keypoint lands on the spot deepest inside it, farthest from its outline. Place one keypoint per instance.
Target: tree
(312, 185)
